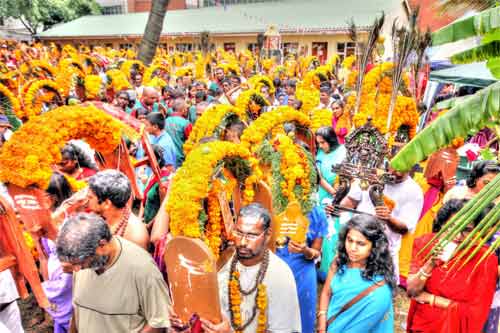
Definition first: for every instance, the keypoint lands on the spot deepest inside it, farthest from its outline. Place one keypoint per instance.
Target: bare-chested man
(108, 195)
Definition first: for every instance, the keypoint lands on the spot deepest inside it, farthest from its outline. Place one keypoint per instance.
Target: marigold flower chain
(28, 157)
(209, 121)
(12, 99)
(254, 134)
(34, 97)
(190, 185)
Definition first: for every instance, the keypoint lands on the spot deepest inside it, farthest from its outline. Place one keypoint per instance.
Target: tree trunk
(152, 33)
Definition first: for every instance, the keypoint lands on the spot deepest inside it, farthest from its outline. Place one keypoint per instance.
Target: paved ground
(401, 305)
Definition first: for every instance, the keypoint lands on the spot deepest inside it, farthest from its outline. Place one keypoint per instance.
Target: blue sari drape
(324, 163)
(372, 314)
(329, 246)
(304, 270)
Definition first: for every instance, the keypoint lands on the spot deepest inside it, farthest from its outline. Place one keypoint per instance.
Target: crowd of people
(105, 272)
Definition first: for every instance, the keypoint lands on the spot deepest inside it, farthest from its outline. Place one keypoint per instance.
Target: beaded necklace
(235, 291)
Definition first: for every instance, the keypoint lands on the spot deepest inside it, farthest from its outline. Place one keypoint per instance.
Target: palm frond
(352, 30)
(404, 41)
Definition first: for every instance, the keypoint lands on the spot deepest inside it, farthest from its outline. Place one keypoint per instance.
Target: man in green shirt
(178, 127)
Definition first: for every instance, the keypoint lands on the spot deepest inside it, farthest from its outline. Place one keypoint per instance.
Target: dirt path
(35, 320)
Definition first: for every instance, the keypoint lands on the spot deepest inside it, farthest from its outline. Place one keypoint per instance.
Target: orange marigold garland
(118, 80)
(235, 293)
(190, 185)
(14, 102)
(29, 156)
(93, 86)
(209, 122)
(213, 229)
(38, 93)
(321, 118)
(254, 134)
(152, 72)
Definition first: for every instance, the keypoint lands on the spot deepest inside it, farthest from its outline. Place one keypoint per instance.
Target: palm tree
(152, 33)
(454, 5)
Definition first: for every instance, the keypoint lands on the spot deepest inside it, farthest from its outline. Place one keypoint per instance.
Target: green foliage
(479, 53)
(494, 66)
(477, 25)
(39, 15)
(465, 118)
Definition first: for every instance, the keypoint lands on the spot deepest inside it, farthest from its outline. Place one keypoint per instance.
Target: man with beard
(260, 273)
(408, 198)
(116, 284)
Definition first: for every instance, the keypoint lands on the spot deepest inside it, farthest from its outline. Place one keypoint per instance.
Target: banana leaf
(449, 103)
(479, 53)
(476, 25)
(467, 118)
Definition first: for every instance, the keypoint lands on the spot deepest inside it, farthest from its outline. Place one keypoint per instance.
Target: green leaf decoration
(477, 25)
(449, 103)
(466, 118)
(486, 154)
(491, 36)
(479, 53)
(494, 67)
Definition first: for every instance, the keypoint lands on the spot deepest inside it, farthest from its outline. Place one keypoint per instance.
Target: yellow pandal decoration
(93, 86)
(321, 118)
(29, 156)
(118, 80)
(38, 92)
(254, 134)
(209, 121)
(14, 102)
(191, 184)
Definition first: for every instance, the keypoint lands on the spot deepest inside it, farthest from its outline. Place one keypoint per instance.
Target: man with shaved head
(178, 127)
(148, 102)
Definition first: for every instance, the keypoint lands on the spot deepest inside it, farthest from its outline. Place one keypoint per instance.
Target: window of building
(290, 48)
(252, 47)
(230, 47)
(1, 21)
(345, 49)
(320, 50)
(126, 46)
(112, 10)
(184, 47)
(193, 4)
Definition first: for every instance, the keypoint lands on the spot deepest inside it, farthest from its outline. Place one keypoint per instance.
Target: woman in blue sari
(330, 153)
(300, 258)
(363, 260)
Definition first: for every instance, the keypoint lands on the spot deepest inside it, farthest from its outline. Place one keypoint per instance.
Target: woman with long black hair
(357, 296)
(76, 163)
